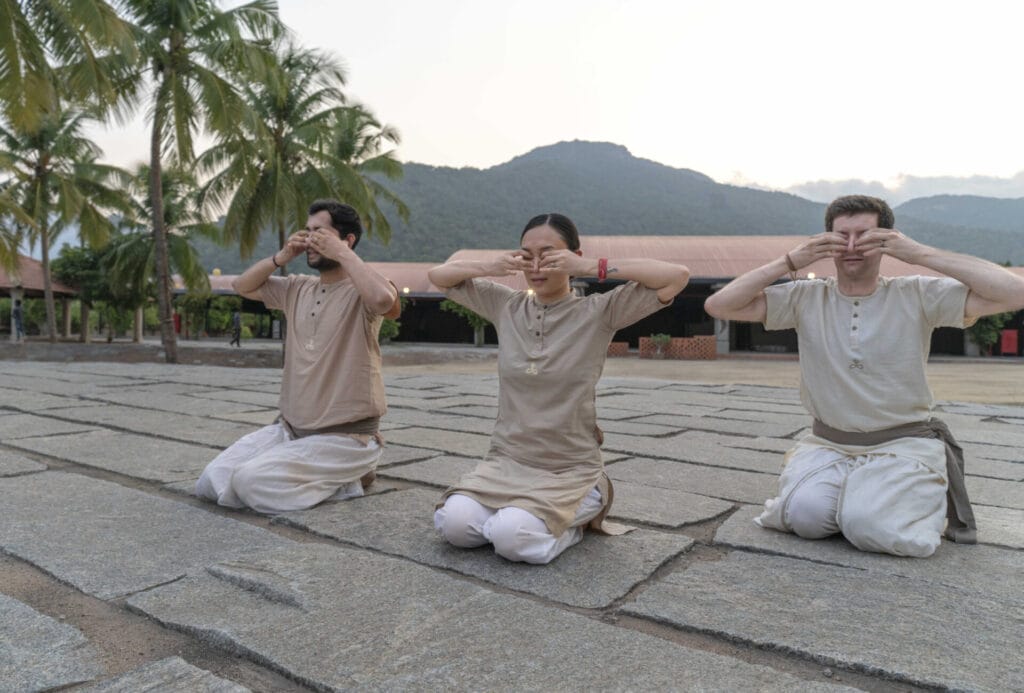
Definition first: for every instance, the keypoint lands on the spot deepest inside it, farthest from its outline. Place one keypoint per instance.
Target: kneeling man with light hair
(878, 467)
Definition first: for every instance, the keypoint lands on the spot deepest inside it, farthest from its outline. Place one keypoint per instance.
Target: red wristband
(602, 269)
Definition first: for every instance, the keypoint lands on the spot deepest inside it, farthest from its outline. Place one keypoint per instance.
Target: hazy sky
(775, 93)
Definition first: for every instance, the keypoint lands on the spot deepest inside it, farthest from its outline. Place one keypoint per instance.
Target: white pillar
(722, 334)
(137, 332)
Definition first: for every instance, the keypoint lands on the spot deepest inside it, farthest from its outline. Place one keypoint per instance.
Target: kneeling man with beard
(326, 443)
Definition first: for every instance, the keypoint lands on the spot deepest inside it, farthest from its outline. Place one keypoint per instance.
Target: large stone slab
(260, 418)
(992, 452)
(107, 540)
(13, 464)
(321, 616)
(18, 426)
(204, 430)
(448, 422)
(902, 628)
(30, 402)
(150, 459)
(697, 447)
(268, 400)
(400, 524)
(969, 569)
(663, 507)
(441, 471)
(170, 675)
(465, 444)
(715, 482)
(1004, 494)
(38, 653)
(1000, 526)
(173, 403)
(400, 454)
(717, 424)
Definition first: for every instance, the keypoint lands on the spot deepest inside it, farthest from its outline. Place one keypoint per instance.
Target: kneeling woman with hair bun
(543, 479)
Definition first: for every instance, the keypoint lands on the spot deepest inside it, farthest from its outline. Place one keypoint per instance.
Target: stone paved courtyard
(114, 578)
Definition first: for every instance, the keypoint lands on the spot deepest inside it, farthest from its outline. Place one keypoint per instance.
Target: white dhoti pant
(888, 498)
(516, 534)
(272, 473)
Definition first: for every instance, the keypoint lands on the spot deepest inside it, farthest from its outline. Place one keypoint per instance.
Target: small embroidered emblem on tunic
(856, 363)
(310, 346)
(532, 369)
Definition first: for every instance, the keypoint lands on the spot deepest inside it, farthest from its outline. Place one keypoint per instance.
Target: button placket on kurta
(856, 360)
(537, 312)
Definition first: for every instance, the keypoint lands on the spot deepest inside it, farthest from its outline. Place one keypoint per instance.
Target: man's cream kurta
(862, 358)
(332, 373)
(544, 455)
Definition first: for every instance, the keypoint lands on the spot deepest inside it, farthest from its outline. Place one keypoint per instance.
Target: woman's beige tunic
(544, 455)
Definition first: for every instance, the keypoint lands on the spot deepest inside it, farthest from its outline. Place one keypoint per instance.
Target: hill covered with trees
(608, 191)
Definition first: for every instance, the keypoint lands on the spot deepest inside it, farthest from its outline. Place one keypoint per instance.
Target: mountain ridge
(608, 191)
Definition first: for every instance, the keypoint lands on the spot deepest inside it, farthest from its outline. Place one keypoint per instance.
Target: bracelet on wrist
(602, 269)
(791, 266)
(273, 258)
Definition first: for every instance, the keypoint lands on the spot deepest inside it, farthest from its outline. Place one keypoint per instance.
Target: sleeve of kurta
(481, 296)
(273, 292)
(942, 300)
(624, 305)
(782, 301)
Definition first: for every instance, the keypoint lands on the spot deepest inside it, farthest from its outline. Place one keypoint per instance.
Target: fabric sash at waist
(961, 526)
(365, 427)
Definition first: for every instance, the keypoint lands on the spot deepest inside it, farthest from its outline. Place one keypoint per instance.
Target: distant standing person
(878, 466)
(236, 329)
(543, 479)
(19, 320)
(326, 444)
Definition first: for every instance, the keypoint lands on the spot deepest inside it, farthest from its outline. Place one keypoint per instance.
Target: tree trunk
(160, 258)
(83, 323)
(51, 307)
(65, 314)
(478, 336)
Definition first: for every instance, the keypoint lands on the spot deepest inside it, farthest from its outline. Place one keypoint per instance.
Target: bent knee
(811, 516)
(458, 525)
(889, 534)
(520, 537)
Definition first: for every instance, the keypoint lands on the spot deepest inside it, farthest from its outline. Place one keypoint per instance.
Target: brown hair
(849, 205)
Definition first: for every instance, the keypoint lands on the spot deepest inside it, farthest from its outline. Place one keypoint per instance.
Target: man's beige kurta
(332, 371)
(544, 455)
(862, 358)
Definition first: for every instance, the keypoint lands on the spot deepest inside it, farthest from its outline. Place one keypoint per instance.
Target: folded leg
(298, 474)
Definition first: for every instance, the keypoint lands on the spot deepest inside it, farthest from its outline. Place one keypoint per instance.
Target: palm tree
(56, 182)
(257, 171)
(130, 258)
(70, 32)
(362, 151)
(190, 50)
(303, 143)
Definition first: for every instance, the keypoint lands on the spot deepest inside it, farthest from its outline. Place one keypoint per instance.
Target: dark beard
(323, 264)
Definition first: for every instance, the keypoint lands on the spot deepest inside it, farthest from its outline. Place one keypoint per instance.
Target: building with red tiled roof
(28, 280)
(712, 260)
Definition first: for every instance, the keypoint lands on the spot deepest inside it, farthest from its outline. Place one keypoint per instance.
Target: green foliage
(661, 340)
(219, 316)
(81, 268)
(475, 321)
(985, 331)
(389, 329)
